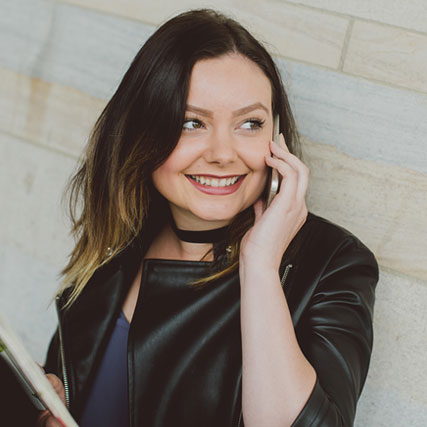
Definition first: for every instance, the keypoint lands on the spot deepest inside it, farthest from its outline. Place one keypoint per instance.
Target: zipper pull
(285, 274)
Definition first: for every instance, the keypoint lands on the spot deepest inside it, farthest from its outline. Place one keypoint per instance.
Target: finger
(41, 420)
(303, 182)
(289, 182)
(282, 142)
(294, 182)
(297, 164)
(284, 154)
(57, 385)
(291, 196)
(52, 422)
(46, 419)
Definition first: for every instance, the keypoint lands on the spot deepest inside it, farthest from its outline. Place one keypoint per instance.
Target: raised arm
(311, 374)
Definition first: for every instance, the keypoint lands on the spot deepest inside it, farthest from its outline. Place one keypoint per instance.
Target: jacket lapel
(88, 323)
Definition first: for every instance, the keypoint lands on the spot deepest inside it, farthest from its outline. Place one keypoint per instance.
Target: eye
(192, 124)
(253, 124)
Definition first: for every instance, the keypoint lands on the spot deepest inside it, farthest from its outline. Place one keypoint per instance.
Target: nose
(221, 148)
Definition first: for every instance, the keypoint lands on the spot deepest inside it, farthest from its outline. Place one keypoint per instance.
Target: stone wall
(356, 73)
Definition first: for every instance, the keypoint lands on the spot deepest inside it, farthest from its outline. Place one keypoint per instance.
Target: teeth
(214, 182)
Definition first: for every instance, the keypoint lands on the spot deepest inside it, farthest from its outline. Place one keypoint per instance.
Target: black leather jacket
(184, 349)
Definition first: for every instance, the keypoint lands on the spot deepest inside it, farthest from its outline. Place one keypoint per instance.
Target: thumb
(259, 207)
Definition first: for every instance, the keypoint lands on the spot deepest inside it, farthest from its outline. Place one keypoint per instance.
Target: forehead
(228, 82)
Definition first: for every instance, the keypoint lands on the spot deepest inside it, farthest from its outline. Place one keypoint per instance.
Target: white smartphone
(273, 180)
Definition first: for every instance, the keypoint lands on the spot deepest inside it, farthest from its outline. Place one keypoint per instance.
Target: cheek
(167, 170)
(161, 176)
(256, 159)
(262, 168)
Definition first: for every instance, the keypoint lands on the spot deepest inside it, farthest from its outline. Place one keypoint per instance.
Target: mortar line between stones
(345, 44)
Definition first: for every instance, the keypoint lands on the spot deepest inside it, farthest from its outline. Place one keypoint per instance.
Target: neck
(168, 246)
(215, 235)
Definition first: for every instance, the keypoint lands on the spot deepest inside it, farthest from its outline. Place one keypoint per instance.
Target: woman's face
(217, 168)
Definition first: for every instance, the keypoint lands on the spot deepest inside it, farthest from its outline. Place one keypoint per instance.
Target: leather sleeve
(335, 333)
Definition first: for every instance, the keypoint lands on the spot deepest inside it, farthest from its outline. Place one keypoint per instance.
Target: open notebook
(31, 376)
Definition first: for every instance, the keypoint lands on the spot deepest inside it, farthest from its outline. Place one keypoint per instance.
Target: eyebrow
(239, 112)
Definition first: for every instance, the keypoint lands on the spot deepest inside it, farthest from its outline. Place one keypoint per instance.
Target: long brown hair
(112, 199)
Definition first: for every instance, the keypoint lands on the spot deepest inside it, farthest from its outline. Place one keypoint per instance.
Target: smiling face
(217, 169)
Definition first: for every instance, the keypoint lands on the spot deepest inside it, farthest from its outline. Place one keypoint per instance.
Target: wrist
(256, 271)
(258, 263)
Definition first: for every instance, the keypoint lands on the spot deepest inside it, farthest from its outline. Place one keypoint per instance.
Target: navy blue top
(107, 404)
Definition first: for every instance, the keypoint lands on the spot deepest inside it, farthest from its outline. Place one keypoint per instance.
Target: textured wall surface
(356, 76)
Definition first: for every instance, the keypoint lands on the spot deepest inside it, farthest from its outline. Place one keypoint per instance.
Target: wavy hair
(111, 197)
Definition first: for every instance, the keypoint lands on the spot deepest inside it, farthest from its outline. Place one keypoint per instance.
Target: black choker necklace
(201, 236)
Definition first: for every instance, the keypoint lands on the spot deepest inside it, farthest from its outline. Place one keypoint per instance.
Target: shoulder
(326, 257)
(319, 227)
(322, 238)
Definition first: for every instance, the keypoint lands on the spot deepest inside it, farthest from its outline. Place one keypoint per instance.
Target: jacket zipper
(62, 353)
(282, 282)
(285, 275)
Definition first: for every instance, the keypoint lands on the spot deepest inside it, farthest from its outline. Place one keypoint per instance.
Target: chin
(218, 215)
(215, 218)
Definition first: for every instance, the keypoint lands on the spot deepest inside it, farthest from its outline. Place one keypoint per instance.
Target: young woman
(186, 300)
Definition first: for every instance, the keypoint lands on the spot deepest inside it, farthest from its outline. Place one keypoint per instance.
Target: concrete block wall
(356, 76)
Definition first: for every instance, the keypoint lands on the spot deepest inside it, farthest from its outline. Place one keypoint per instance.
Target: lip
(217, 191)
(215, 176)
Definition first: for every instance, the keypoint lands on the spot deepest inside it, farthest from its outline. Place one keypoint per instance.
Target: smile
(216, 182)
(216, 186)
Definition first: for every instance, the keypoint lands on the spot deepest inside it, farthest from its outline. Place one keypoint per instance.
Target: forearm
(277, 378)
